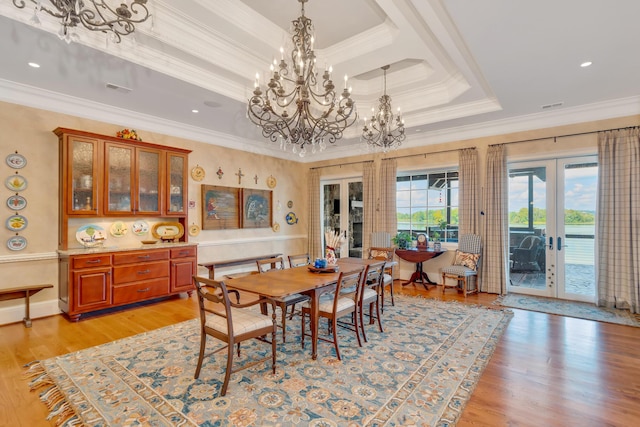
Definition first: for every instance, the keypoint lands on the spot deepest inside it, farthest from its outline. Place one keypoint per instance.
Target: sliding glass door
(342, 212)
(552, 207)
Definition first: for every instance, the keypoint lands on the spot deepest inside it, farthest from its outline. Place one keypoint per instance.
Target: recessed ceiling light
(195, 111)
(34, 65)
(586, 64)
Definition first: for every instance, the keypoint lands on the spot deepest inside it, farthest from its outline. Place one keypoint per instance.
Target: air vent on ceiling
(121, 89)
(554, 105)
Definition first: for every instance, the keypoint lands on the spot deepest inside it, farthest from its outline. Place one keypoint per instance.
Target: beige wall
(29, 132)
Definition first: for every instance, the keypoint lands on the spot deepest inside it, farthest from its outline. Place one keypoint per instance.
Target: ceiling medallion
(385, 131)
(295, 107)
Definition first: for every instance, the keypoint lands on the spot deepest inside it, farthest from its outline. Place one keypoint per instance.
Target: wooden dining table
(298, 280)
(418, 256)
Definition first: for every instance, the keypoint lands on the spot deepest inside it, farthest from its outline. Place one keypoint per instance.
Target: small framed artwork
(256, 208)
(220, 207)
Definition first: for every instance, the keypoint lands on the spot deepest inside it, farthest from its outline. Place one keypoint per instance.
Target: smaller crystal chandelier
(94, 15)
(385, 130)
(295, 106)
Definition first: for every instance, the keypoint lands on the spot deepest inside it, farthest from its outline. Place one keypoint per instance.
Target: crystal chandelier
(385, 130)
(295, 106)
(94, 15)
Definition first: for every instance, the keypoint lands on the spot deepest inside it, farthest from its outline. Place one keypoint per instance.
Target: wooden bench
(211, 266)
(23, 292)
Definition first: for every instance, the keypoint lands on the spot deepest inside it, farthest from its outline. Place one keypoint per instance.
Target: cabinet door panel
(119, 169)
(92, 289)
(82, 176)
(176, 184)
(149, 165)
(182, 271)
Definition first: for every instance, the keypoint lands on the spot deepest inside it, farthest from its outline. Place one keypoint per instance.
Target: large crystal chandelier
(295, 107)
(94, 15)
(385, 131)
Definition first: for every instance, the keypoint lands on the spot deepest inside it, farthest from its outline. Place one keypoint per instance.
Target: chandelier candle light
(94, 15)
(295, 106)
(385, 130)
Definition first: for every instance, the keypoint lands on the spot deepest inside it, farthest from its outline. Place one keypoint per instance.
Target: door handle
(559, 243)
(551, 243)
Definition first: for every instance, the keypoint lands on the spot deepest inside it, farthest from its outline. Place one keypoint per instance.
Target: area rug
(420, 371)
(581, 310)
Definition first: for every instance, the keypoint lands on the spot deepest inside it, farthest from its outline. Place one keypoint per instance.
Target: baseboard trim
(16, 313)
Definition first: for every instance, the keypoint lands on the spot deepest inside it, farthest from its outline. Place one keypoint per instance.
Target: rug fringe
(57, 404)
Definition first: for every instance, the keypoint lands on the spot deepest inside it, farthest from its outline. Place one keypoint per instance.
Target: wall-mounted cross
(255, 178)
(239, 175)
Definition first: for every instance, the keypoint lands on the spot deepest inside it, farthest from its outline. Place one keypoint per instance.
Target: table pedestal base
(419, 276)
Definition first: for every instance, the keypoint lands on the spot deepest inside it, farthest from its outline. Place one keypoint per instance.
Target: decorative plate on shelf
(16, 183)
(16, 223)
(167, 230)
(16, 243)
(16, 161)
(140, 227)
(118, 229)
(271, 181)
(16, 203)
(197, 173)
(194, 230)
(91, 235)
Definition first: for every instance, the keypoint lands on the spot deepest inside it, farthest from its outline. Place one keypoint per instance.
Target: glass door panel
(83, 177)
(119, 164)
(148, 169)
(343, 213)
(177, 165)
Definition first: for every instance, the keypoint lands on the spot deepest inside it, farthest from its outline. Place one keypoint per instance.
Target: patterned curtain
(496, 229)
(619, 219)
(468, 192)
(388, 215)
(369, 204)
(315, 237)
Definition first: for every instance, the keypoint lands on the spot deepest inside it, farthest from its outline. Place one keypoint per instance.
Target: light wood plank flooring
(547, 370)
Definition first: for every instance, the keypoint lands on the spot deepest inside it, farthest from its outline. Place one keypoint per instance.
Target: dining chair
(232, 324)
(338, 307)
(372, 295)
(465, 264)
(277, 263)
(299, 260)
(386, 254)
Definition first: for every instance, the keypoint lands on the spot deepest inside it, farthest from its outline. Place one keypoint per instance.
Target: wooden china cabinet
(103, 178)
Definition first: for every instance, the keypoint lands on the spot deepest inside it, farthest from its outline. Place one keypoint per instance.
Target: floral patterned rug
(420, 371)
(580, 310)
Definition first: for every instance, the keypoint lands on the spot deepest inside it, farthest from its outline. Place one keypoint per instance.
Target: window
(427, 202)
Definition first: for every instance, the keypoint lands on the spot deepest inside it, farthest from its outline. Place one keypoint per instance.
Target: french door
(342, 212)
(552, 219)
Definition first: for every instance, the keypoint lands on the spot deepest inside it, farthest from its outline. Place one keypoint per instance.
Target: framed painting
(256, 208)
(220, 207)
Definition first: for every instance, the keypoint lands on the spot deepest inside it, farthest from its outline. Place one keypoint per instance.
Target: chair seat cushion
(369, 294)
(387, 279)
(243, 321)
(344, 302)
(459, 270)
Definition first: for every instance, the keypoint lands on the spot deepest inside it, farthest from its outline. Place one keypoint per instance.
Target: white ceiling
(459, 68)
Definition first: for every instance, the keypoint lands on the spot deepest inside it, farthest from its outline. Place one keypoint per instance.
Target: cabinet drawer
(141, 271)
(139, 291)
(120, 258)
(91, 261)
(184, 252)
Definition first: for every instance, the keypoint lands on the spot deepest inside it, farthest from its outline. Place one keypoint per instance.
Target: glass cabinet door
(148, 180)
(83, 155)
(119, 178)
(176, 188)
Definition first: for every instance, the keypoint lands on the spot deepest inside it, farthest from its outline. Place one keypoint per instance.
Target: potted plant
(402, 240)
(443, 227)
(437, 246)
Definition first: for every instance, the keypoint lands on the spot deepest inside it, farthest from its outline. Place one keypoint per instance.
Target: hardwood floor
(546, 371)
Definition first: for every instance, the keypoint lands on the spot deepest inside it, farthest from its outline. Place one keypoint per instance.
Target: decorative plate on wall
(271, 182)
(291, 218)
(140, 227)
(275, 227)
(16, 203)
(16, 223)
(194, 230)
(16, 183)
(118, 229)
(197, 173)
(16, 161)
(16, 243)
(91, 235)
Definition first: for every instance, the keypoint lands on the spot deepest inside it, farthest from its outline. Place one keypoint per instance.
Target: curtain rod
(561, 136)
(429, 153)
(343, 164)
